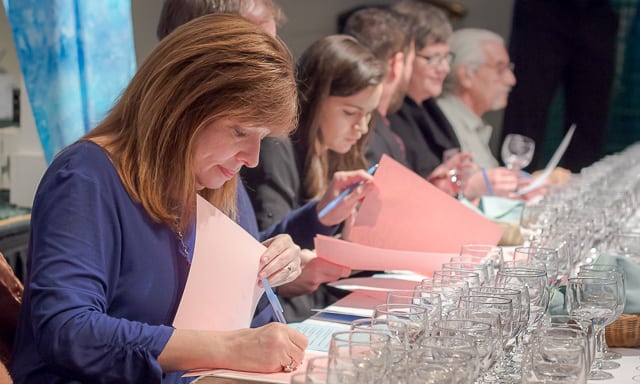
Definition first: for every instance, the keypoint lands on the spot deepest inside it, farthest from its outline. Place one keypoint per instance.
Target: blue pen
(487, 183)
(334, 203)
(273, 300)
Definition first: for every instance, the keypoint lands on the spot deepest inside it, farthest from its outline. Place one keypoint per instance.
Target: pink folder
(222, 289)
(406, 212)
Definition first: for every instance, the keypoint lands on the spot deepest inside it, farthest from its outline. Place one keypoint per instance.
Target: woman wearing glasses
(428, 136)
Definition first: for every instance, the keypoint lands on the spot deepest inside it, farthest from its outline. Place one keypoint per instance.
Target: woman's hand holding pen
(281, 261)
(339, 183)
(269, 348)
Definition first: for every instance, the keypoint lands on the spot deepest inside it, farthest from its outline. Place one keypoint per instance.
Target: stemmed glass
(427, 299)
(413, 317)
(555, 355)
(534, 282)
(458, 353)
(535, 220)
(459, 174)
(546, 256)
(593, 300)
(609, 272)
(517, 151)
(486, 254)
(487, 340)
(364, 354)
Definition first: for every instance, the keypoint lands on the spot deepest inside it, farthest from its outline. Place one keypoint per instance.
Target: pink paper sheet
(362, 257)
(405, 212)
(221, 291)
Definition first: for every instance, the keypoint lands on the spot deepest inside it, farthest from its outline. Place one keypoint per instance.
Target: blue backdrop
(76, 56)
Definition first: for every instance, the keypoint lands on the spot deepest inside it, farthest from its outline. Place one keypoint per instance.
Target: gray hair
(466, 45)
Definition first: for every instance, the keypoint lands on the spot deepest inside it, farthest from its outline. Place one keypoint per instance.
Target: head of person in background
(481, 73)
(389, 35)
(264, 13)
(340, 85)
(431, 65)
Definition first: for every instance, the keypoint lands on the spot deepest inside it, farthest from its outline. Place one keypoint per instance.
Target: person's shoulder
(453, 109)
(82, 151)
(444, 101)
(83, 157)
(403, 123)
(430, 105)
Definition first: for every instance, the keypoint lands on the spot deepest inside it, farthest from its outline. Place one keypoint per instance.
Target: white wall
(309, 20)
(21, 156)
(10, 60)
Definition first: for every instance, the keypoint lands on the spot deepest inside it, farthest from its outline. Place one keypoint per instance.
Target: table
(624, 374)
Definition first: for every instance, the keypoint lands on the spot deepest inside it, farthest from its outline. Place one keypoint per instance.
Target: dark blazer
(382, 140)
(426, 134)
(274, 185)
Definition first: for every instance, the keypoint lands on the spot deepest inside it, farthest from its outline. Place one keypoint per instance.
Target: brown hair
(177, 12)
(382, 30)
(336, 65)
(215, 67)
(430, 24)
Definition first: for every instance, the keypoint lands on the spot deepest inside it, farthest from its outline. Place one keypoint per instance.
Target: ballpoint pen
(273, 300)
(334, 203)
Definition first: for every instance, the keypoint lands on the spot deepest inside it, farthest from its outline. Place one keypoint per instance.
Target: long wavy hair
(214, 67)
(337, 65)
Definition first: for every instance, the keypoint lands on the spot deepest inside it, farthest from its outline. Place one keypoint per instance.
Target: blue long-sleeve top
(104, 280)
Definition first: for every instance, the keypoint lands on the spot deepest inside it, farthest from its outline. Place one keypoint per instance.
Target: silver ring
(289, 367)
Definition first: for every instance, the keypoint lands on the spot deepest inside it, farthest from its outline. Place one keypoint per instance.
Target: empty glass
(517, 151)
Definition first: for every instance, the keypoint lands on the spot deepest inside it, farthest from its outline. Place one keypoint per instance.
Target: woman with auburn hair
(339, 84)
(113, 221)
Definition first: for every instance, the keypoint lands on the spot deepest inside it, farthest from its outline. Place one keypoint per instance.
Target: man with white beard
(480, 80)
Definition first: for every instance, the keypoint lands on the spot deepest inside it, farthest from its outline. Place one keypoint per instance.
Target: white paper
(319, 333)
(553, 163)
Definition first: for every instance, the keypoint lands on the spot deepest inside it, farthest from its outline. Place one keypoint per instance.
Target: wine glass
(460, 173)
(613, 272)
(412, 317)
(555, 355)
(365, 354)
(593, 300)
(517, 151)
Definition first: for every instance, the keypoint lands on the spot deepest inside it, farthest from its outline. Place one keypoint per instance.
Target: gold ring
(289, 367)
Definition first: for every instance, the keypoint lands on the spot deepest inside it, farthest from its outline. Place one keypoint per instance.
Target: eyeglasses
(501, 68)
(436, 60)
